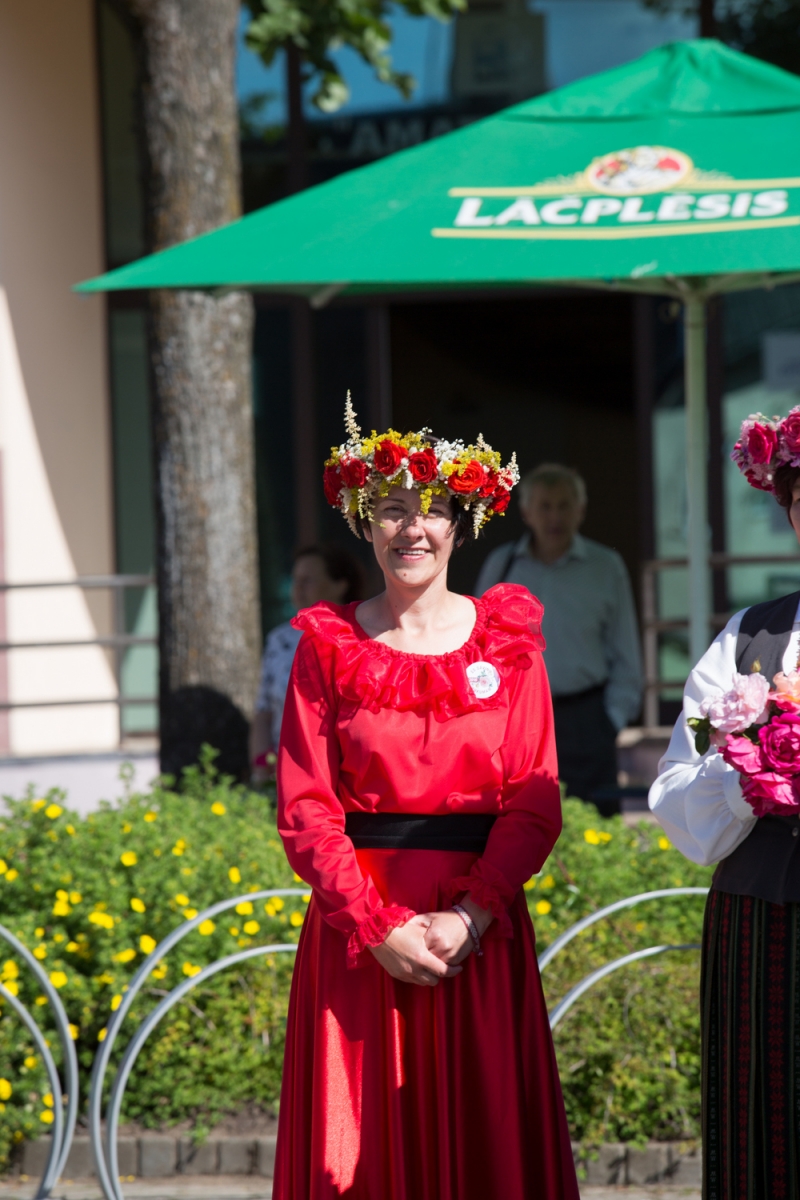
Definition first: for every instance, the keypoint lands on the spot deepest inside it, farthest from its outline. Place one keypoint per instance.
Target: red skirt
(397, 1092)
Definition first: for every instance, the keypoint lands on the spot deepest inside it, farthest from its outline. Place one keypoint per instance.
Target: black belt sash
(416, 831)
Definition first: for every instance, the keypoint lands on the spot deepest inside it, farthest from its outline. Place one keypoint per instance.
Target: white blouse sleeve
(698, 800)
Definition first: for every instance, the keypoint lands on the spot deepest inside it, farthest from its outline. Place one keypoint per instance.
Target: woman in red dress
(418, 791)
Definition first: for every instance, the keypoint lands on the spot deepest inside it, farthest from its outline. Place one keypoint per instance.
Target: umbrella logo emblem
(639, 170)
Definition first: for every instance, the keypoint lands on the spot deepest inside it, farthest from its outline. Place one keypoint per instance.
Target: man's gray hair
(551, 475)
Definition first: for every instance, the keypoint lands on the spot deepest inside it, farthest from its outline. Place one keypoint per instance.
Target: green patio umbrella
(676, 174)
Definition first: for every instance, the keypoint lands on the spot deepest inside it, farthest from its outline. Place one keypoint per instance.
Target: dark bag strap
(508, 562)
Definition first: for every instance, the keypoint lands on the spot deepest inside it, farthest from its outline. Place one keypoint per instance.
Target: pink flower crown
(363, 469)
(764, 445)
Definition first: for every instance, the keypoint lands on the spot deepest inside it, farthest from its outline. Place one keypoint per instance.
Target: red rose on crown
(489, 484)
(790, 431)
(423, 466)
(388, 456)
(332, 484)
(500, 502)
(762, 443)
(355, 472)
(469, 480)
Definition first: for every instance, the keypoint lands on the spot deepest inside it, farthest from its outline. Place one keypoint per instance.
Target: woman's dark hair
(339, 564)
(785, 479)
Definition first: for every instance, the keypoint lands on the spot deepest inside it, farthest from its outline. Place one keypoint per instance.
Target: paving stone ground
(236, 1188)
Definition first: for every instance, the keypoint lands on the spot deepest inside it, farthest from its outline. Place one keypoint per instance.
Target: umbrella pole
(694, 316)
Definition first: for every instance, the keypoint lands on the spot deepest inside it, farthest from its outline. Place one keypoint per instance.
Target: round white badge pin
(484, 679)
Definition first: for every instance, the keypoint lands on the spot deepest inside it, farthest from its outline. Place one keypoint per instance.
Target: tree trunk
(209, 638)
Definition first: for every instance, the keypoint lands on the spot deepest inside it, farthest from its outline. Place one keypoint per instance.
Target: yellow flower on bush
(543, 907)
(277, 903)
(235, 875)
(75, 897)
(138, 905)
(37, 804)
(40, 1000)
(664, 843)
(147, 944)
(58, 979)
(70, 830)
(30, 1062)
(40, 952)
(179, 847)
(61, 909)
(296, 919)
(128, 859)
(12, 875)
(218, 808)
(191, 970)
(206, 927)
(5, 1089)
(39, 931)
(297, 878)
(101, 1036)
(10, 970)
(269, 909)
(46, 1116)
(251, 927)
(47, 1099)
(233, 931)
(103, 919)
(115, 1002)
(72, 947)
(190, 913)
(3, 866)
(150, 816)
(126, 828)
(124, 956)
(12, 986)
(53, 810)
(306, 897)
(244, 908)
(160, 971)
(548, 882)
(73, 1032)
(530, 885)
(181, 899)
(591, 836)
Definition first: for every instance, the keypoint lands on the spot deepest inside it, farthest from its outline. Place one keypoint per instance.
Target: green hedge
(93, 896)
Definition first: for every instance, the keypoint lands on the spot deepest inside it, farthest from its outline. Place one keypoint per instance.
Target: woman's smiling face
(411, 547)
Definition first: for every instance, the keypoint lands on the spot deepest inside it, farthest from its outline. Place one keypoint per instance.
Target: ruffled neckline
(367, 672)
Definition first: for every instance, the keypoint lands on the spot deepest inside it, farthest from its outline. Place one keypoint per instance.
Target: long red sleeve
(530, 819)
(310, 814)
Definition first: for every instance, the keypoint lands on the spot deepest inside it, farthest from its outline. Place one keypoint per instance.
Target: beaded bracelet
(472, 929)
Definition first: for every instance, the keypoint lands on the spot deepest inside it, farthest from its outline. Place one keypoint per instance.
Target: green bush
(93, 896)
(629, 1049)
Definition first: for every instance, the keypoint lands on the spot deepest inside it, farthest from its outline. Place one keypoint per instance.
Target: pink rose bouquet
(756, 729)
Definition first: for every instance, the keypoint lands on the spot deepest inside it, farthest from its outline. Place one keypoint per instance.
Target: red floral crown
(766, 443)
(363, 469)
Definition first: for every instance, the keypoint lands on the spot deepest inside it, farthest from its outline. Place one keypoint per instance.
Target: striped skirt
(750, 993)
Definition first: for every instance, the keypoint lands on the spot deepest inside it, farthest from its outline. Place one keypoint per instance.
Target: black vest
(767, 863)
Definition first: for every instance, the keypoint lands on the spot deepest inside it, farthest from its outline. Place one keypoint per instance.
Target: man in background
(592, 656)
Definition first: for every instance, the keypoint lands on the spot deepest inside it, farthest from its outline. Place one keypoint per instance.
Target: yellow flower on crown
(363, 469)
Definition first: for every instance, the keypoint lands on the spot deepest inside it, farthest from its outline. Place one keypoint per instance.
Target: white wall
(55, 492)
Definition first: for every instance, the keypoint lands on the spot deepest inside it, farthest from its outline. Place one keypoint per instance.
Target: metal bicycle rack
(105, 1150)
(63, 1127)
(588, 981)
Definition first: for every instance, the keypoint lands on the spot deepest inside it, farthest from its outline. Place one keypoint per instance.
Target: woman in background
(323, 572)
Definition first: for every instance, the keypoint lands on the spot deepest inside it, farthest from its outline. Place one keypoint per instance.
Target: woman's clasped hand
(430, 947)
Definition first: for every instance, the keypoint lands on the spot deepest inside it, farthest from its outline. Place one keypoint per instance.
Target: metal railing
(575, 993)
(653, 625)
(117, 642)
(104, 1144)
